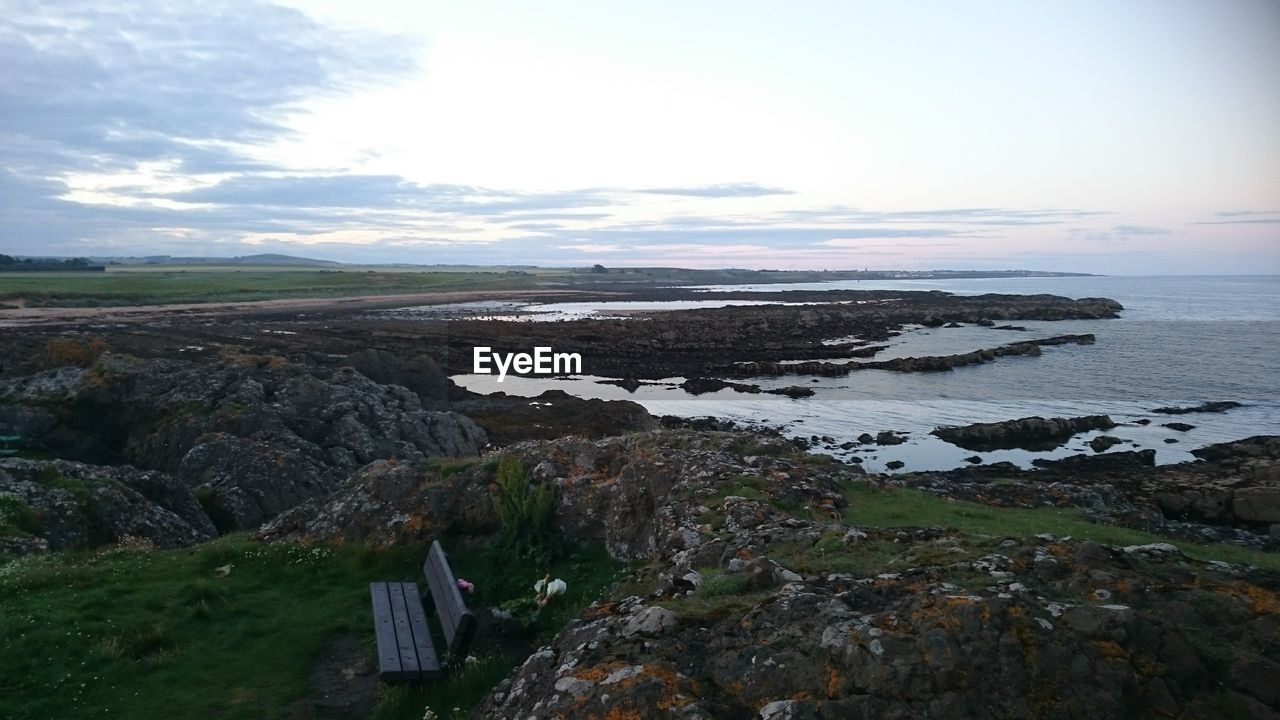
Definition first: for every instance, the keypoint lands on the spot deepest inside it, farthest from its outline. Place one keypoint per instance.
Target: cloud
(1139, 230)
(99, 85)
(1243, 217)
(727, 190)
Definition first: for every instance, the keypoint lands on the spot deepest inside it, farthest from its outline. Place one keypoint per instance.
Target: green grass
(223, 284)
(120, 633)
(16, 519)
(870, 506)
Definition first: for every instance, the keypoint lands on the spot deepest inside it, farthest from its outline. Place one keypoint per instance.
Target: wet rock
(895, 464)
(1208, 407)
(889, 438)
(1180, 427)
(1030, 433)
(1103, 443)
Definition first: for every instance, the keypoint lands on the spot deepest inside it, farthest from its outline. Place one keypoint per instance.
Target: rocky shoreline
(763, 581)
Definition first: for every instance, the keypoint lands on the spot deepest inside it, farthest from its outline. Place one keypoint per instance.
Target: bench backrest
(442, 587)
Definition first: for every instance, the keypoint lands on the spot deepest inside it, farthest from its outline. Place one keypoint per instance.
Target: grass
(223, 284)
(16, 519)
(121, 632)
(871, 506)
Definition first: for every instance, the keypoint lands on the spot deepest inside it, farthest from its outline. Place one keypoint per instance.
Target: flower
(556, 587)
(466, 586)
(541, 586)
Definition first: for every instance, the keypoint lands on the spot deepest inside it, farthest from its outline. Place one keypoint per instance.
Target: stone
(651, 621)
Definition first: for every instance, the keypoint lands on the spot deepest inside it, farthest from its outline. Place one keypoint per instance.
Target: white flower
(556, 587)
(539, 586)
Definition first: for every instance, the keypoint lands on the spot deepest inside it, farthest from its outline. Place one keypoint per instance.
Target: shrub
(527, 512)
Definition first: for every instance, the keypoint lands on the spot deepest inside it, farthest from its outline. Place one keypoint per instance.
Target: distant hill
(260, 259)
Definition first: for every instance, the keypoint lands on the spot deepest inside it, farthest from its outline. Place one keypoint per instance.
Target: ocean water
(1179, 341)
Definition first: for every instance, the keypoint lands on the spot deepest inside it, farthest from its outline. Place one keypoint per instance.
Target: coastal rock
(69, 505)
(1030, 433)
(252, 435)
(1208, 407)
(1102, 443)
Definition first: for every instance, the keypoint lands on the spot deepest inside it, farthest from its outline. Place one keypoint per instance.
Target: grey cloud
(105, 86)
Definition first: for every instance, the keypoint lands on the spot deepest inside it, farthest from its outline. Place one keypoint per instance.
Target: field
(151, 286)
(124, 632)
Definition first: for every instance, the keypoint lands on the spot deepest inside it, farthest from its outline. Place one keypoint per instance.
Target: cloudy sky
(1120, 137)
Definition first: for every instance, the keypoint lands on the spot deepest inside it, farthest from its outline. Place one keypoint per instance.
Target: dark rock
(1096, 463)
(1208, 407)
(420, 373)
(255, 435)
(1170, 441)
(1031, 433)
(1180, 427)
(793, 391)
(974, 459)
(895, 464)
(1103, 443)
(889, 438)
(1018, 328)
(76, 505)
(866, 438)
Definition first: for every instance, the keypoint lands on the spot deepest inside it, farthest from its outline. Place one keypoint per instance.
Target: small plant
(527, 512)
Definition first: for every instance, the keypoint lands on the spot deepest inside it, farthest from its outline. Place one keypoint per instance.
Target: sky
(1136, 137)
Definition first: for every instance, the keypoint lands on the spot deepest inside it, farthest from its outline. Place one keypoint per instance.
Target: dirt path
(29, 316)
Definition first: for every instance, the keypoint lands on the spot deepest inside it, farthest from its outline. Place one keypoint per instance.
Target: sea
(1179, 341)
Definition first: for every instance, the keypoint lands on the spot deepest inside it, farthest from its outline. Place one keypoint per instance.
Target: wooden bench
(406, 650)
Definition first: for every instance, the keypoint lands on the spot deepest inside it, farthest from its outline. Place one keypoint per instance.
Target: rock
(75, 505)
(866, 438)
(1180, 427)
(420, 373)
(1030, 433)
(760, 574)
(1097, 463)
(1257, 505)
(793, 391)
(1208, 407)
(895, 464)
(1103, 443)
(974, 459)
(889, 438)
(651, 622)
(253, 435)
(1170, 441)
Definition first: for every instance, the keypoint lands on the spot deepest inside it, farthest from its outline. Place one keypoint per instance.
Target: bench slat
(384, 629)
(457, 621)
(427, 660)
(404, 632)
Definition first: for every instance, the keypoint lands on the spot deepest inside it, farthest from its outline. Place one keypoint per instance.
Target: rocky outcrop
(757, 601)
(1208, 407)
(1030, 433)
(419, 373)
(931, 363)
(252, 435)
(554, 413)
(70, 505)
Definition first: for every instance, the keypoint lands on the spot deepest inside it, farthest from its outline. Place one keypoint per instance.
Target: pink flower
(466, 586)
